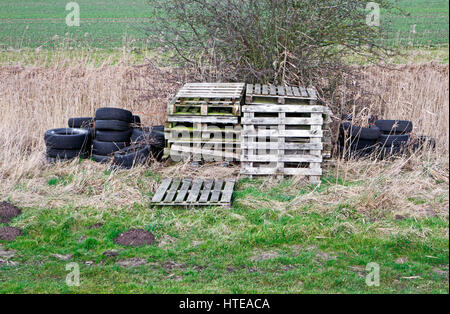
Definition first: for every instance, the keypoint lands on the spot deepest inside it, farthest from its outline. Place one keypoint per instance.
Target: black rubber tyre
(349, 130)
(66, 153)
(347, 117)
(395, 127)
(157, 137)
(157, 152)
(136, 120)
(108, 113)
(83, 123)
(113, 136)
(101, 159)
(112, 125)
(67, 138)
(393, 140)
(107, 148)
(423, 142)
(131, 156)
(140, 136)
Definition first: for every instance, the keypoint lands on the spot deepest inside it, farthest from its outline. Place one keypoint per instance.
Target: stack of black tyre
(394, 137)
(355, 141)
(67, 143)
(385, 137)
(112, 132)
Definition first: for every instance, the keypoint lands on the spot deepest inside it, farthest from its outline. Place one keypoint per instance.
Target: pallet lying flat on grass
(194, 192)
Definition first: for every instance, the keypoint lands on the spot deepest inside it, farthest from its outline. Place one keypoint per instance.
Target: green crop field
(118, 23)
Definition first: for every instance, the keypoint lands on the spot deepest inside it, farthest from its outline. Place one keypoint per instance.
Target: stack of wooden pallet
(282, 132)
(203, 122)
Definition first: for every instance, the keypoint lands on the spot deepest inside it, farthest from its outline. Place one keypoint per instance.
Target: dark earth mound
(7, 212)
(9, 233)
(135, 237)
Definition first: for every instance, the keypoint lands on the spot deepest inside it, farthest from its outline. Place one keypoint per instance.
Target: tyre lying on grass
(67, 143)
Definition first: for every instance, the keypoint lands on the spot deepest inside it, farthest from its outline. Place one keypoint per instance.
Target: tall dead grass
(36, 98)
(419, 93)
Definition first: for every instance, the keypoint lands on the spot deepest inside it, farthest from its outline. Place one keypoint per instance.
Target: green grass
(217, 250)
(429, 17)
(26, 23)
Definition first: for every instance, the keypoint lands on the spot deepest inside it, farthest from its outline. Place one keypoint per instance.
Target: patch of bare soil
(171, 265)
(9, 233)
(264, 255)
(131, 262)
(8, 211)
(135, 237)
(324, 256)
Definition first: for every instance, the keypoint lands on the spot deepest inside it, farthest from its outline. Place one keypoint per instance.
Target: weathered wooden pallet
(282, 140)
(212, 90)
(194, 192)
(208, 99)
(263, 94)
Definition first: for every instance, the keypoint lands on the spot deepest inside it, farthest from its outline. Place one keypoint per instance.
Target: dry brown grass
(36, 98)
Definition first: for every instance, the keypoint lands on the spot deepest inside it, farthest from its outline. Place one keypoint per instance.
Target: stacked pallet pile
(282, 132)
(203, 122)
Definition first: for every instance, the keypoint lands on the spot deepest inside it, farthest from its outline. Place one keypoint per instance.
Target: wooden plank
(312, 93)
(183, 191)
(284, 158)
(265, 90)
(286, 133)
(206, 191)
(257, 89)
(159, 195)
(203, 119)
(227, 192)
(195, 190)
(286, 171)
(287, 146)
(273, 90)
(303, 92)
(284, 108)
(289, 91)
(285, 121)
(296, 91)
(172, 191)
(249, 89)
(216, 192)
(280, 90)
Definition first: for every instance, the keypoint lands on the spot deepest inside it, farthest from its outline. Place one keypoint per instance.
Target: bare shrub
(276, 41)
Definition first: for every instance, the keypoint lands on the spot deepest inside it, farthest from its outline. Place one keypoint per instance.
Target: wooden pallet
(282, 140)
(194, 192)
(208, 99)
(257, 94)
